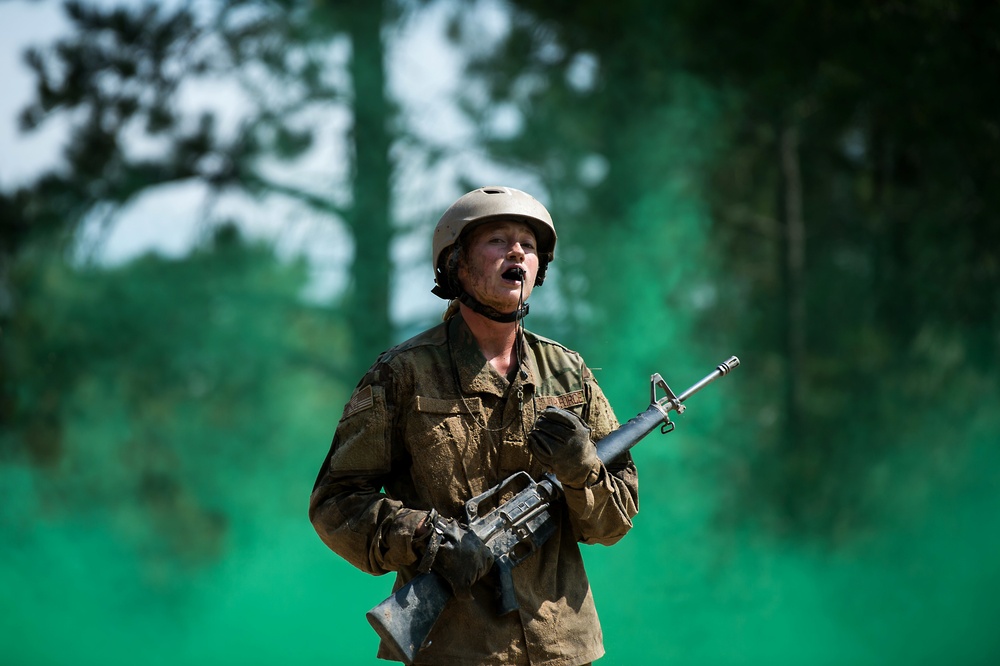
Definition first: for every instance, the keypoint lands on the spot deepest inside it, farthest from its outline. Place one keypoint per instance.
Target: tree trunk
(367, 304)
(794, 240)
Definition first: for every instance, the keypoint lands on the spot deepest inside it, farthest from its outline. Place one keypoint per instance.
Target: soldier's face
(491, 254)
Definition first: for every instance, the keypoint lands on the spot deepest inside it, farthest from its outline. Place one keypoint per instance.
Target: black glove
(458, 555)
(561, 441)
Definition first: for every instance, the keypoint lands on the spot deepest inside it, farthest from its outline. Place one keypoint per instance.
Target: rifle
(515, 529)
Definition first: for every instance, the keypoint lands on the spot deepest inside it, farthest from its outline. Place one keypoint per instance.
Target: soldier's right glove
(458, 555)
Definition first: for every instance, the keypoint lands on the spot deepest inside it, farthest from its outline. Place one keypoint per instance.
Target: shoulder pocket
(363, 445)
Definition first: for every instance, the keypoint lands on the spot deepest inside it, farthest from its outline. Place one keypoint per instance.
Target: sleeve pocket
(363, 442)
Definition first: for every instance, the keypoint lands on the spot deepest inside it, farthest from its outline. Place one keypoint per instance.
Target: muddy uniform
(433, 424)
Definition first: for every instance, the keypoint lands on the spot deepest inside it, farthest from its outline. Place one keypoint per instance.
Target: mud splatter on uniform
(431, 425)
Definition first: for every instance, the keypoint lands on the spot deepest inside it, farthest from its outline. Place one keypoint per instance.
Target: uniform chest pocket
(436, 420)
(445, 448)
(425, 405)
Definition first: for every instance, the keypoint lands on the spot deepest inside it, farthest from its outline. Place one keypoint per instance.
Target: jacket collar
(475, 374)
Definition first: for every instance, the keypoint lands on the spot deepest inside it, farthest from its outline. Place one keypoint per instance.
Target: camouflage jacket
(431, 425)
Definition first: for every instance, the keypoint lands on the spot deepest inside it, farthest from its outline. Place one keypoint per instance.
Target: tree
(151, 394)
(122, 77)
(879, 219)
(843, 154)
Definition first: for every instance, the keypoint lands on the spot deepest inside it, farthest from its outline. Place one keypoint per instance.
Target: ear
(446, 276)
(540, 278)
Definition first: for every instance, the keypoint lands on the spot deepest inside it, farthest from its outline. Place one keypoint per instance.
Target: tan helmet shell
(492, 203)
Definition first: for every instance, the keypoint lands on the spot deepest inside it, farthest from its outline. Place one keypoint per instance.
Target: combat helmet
(484, 205)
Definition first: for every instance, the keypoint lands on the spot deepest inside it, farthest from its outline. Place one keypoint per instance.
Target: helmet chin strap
(491, 313)
(517, 317)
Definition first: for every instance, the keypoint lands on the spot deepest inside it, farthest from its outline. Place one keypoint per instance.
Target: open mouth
(514, 273)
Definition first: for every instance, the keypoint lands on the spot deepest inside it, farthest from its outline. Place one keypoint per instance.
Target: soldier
(453, 411)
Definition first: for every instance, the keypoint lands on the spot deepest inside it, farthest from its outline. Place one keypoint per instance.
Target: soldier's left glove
(457, 554)
(561, 441)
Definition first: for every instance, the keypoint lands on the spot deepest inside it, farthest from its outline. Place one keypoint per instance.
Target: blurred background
(214, 214)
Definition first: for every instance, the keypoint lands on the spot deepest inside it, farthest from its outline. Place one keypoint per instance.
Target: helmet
(484, 205)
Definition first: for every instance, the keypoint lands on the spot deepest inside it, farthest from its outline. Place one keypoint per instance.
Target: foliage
(169, 416)
(163, 420)
(230, 96)
(133, 387)
(807, 185)
(148, 396)
(128, 79)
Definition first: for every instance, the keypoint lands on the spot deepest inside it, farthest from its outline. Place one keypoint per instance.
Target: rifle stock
(405, 619)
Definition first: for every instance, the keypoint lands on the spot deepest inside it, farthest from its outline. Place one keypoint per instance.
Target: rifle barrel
(628, 435)
(723, 369)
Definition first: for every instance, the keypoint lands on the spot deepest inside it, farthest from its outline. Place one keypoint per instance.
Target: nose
(515, 251)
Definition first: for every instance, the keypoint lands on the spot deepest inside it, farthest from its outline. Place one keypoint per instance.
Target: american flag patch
(359, 402)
